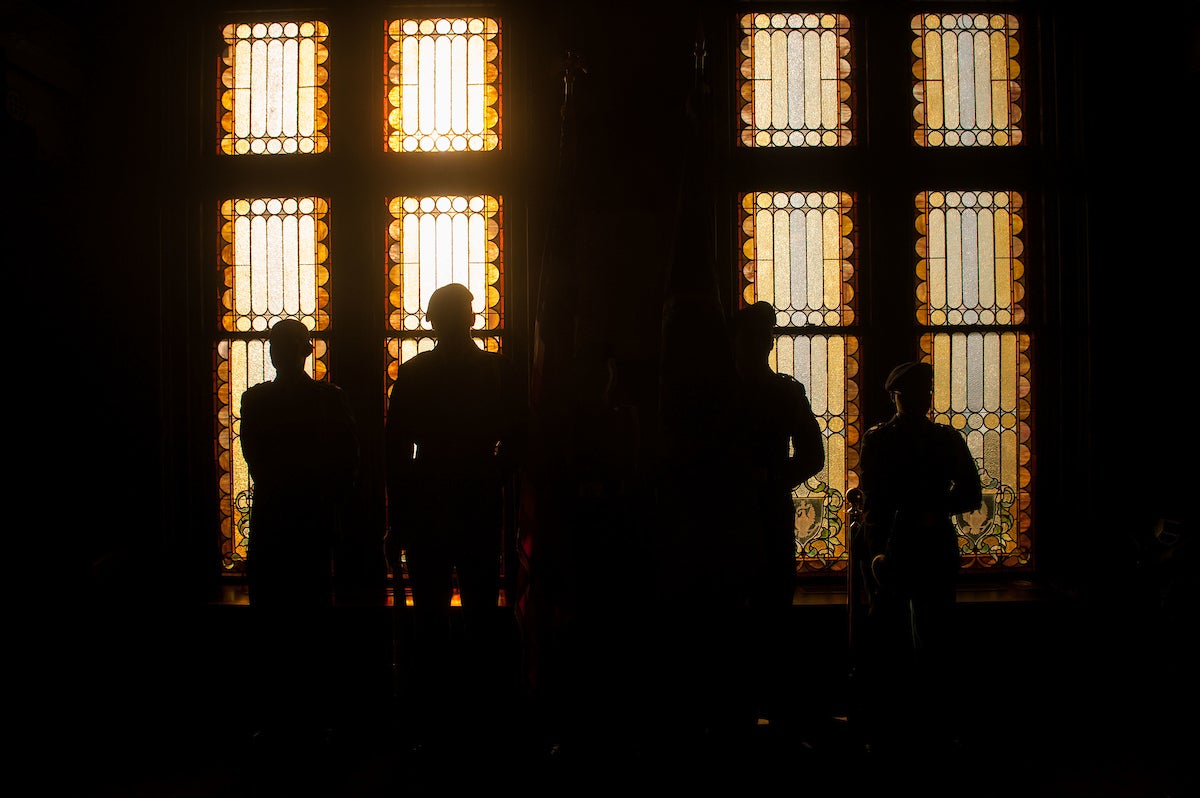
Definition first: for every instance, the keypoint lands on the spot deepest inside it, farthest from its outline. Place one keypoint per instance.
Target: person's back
(778, 446)
(298, 438)
(915, 475)
(454, 419)
(301, 449)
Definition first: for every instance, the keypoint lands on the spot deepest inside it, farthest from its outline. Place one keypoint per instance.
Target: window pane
(982, 387)
(274, 94)
(796, 251)
(969, 247)
(433, 241)
(966, 87)
(443, 85)
(827, 366)
(240, 364)
(794, 84)
(275, 262)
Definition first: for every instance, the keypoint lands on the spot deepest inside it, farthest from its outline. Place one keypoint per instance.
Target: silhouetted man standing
(916, 474)
(454, 423)
(780, 445)
(298, 437)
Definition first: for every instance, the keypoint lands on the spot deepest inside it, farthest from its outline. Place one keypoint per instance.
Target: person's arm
(398, 455)
(966, 490)
(808, 445)
(250, 434)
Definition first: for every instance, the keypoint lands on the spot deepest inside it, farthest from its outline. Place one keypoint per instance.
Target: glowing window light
(969, 273)
(796, 253)
(827, 366)
(443, 85)
(794, 86)
(239, 365)
(273, 91)
(969, 267)
(433, 241)
(966, 80)
(275, 262)
(982, 387)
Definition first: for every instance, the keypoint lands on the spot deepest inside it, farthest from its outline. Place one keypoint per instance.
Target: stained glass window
(443, 85)
(966, 80)
(797, 252)
(274, 262)
(827, 366)
(240, 364)
(433, 241)
(970, 275)
(274, 94)
(794, 80)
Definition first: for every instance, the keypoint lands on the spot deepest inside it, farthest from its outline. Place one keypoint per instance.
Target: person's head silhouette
(911, 387)
(291, 344)
(450, 313)
(753, 335)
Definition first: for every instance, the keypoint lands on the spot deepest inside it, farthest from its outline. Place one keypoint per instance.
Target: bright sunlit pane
(275, 262)
(443, 85)
(794, 83)
(433, 241)
(796, 253)
(273, 93)
(827, 366)
(970, 268)
(240, 364)
(967, 84)
(981, 387)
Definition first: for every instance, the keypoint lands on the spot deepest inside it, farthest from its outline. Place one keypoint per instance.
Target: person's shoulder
(328, 389)
(947, 432)
(259, 392)
(881, 431)
(789, 382)
(418, 363)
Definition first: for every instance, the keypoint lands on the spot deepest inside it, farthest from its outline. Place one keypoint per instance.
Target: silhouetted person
(915, 475)
(779, 446)
(299, 441)
(454, 428)
(592, 510)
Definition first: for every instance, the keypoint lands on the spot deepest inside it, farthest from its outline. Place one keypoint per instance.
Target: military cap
(287, 331)
(909, 377)
(757, 318)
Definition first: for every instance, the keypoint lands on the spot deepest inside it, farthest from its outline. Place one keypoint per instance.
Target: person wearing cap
(300, 444)
(915, 476)
(778, 446)
(454, 434)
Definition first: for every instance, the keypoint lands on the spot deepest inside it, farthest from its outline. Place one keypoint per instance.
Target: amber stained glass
(982, 388)
(443, 85)
(970, 268)
(274, 262)
(797, 251)
(827, 366)
(240, 364)
(274, 88)
(967, 85)
(433, 241)
(794, 80)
